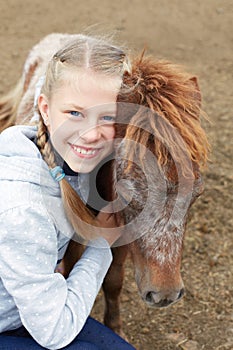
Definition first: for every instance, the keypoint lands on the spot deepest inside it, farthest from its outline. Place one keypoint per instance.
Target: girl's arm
(53, 309)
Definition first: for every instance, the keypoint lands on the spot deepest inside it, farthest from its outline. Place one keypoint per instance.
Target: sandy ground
(199, 35)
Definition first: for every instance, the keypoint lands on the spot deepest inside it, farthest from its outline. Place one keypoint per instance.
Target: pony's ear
(197, 93)
(29, 73)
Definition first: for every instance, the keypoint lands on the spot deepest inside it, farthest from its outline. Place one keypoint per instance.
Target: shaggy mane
(172, 116)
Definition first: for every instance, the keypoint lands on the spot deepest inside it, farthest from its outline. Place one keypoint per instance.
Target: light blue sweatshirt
(34, 234)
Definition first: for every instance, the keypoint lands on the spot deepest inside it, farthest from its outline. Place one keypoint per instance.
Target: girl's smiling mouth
(85, 152)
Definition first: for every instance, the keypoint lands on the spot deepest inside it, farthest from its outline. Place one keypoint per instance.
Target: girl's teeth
(83, 151)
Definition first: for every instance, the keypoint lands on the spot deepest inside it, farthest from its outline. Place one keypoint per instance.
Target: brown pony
(153, 179)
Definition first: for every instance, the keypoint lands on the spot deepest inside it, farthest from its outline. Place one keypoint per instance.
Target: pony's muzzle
(162, 299)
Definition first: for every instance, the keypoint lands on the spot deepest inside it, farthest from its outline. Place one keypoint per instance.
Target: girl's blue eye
(75, 113)
(108, 118)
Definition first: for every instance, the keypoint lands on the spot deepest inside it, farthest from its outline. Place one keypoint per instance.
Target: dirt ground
(199, 35)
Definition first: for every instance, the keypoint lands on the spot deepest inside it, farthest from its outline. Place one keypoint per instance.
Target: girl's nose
(92, 134)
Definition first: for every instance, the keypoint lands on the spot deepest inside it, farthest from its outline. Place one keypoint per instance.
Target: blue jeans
(94, 336)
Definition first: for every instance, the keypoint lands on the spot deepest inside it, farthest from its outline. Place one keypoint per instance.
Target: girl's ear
(43, 108)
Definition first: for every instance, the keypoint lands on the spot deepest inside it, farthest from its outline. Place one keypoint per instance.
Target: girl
(46, 165)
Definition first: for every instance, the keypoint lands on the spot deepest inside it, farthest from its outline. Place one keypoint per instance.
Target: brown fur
(175, 97)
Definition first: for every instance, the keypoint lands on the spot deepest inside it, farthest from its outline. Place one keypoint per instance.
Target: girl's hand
(106, 219)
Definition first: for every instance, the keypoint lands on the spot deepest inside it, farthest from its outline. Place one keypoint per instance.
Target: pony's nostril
(149, 298)
(181, 294)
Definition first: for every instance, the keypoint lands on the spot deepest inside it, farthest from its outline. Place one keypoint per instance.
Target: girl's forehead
(84, 79)
(86, 89)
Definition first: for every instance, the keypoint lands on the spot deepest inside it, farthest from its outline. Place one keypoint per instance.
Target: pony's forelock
(169, 121)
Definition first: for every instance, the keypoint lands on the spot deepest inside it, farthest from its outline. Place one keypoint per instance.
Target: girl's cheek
(109, 132)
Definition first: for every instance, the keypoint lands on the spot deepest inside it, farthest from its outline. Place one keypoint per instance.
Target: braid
(79, 215)
(44, 145)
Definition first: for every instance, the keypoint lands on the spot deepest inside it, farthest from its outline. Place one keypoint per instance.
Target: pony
(154, 178)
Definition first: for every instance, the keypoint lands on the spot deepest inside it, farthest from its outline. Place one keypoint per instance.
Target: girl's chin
(82, 167)
(85, 165)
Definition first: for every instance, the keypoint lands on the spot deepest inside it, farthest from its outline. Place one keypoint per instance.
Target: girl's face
(80, 117)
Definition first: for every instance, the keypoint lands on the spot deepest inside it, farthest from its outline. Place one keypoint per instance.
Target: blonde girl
(44, 188)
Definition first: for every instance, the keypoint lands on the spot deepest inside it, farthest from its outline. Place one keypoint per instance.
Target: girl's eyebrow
(71, 105)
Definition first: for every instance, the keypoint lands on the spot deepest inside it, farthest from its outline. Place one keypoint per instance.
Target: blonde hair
(86, 52)
(99, 56)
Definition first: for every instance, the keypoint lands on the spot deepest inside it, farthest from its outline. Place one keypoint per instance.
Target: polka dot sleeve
(52, 309)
